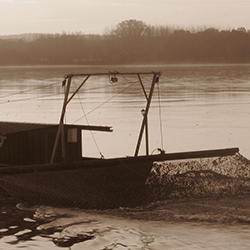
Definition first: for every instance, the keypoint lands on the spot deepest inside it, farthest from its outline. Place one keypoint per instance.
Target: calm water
(201, 107)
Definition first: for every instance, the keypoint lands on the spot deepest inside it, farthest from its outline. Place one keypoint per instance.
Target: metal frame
(67, 99)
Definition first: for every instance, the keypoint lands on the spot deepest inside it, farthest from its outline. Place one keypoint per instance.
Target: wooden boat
(43, 163)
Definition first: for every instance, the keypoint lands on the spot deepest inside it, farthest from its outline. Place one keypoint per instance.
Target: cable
(27, 99)
(112, 97)
(28, 90)
(93, 137)
(160, 115)
(25, 91)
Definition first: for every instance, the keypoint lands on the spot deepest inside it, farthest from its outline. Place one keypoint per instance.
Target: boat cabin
(32, 143)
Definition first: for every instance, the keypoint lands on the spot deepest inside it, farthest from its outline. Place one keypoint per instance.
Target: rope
(112, 97)
(92, 135)
(25, 91)
(30, 98)
(64, 89)
(160, 115)
(132, 170)
(85, 115)
(28, 90)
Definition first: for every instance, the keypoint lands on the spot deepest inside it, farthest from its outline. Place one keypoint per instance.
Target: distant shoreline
(124, 65)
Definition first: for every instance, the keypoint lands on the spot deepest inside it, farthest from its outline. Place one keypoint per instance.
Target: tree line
(130, 42)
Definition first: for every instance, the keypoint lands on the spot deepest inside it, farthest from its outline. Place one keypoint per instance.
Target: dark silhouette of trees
(130, 28)
(130, 42)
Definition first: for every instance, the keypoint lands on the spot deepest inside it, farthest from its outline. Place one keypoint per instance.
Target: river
(194, 107)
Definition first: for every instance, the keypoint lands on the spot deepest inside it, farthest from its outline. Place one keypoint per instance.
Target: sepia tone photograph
(124, 125)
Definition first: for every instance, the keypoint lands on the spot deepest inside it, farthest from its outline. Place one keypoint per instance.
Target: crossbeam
(112, 73)
(92, 127)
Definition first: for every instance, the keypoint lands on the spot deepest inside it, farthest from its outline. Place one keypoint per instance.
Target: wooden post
(146, 136)
(60, 131)
(145, 117)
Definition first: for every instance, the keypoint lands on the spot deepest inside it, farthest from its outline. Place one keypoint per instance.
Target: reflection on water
(51, 228)
(203, 107)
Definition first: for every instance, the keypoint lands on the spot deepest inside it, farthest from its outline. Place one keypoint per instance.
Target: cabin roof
(14, 127)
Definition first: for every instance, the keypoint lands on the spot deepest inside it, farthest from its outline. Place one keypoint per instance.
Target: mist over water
(201, 107)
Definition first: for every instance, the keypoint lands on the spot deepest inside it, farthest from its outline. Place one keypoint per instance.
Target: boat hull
(99, 187)
(99, 183)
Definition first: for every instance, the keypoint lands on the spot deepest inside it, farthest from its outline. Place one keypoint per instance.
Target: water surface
(195, 107)
(202, 107)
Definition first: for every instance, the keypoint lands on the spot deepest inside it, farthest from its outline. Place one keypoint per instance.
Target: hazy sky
(93, 16)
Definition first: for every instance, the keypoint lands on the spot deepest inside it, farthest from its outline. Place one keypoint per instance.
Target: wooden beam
(92, 127)
(112, 73)
(144, 91)
(78, 89)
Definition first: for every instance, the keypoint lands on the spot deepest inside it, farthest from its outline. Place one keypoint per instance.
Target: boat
(43, 163)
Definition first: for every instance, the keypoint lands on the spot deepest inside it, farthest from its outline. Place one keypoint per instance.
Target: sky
(98, 16)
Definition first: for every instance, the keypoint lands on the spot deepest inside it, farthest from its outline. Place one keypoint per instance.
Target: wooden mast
(144, 124)
(60, 131)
